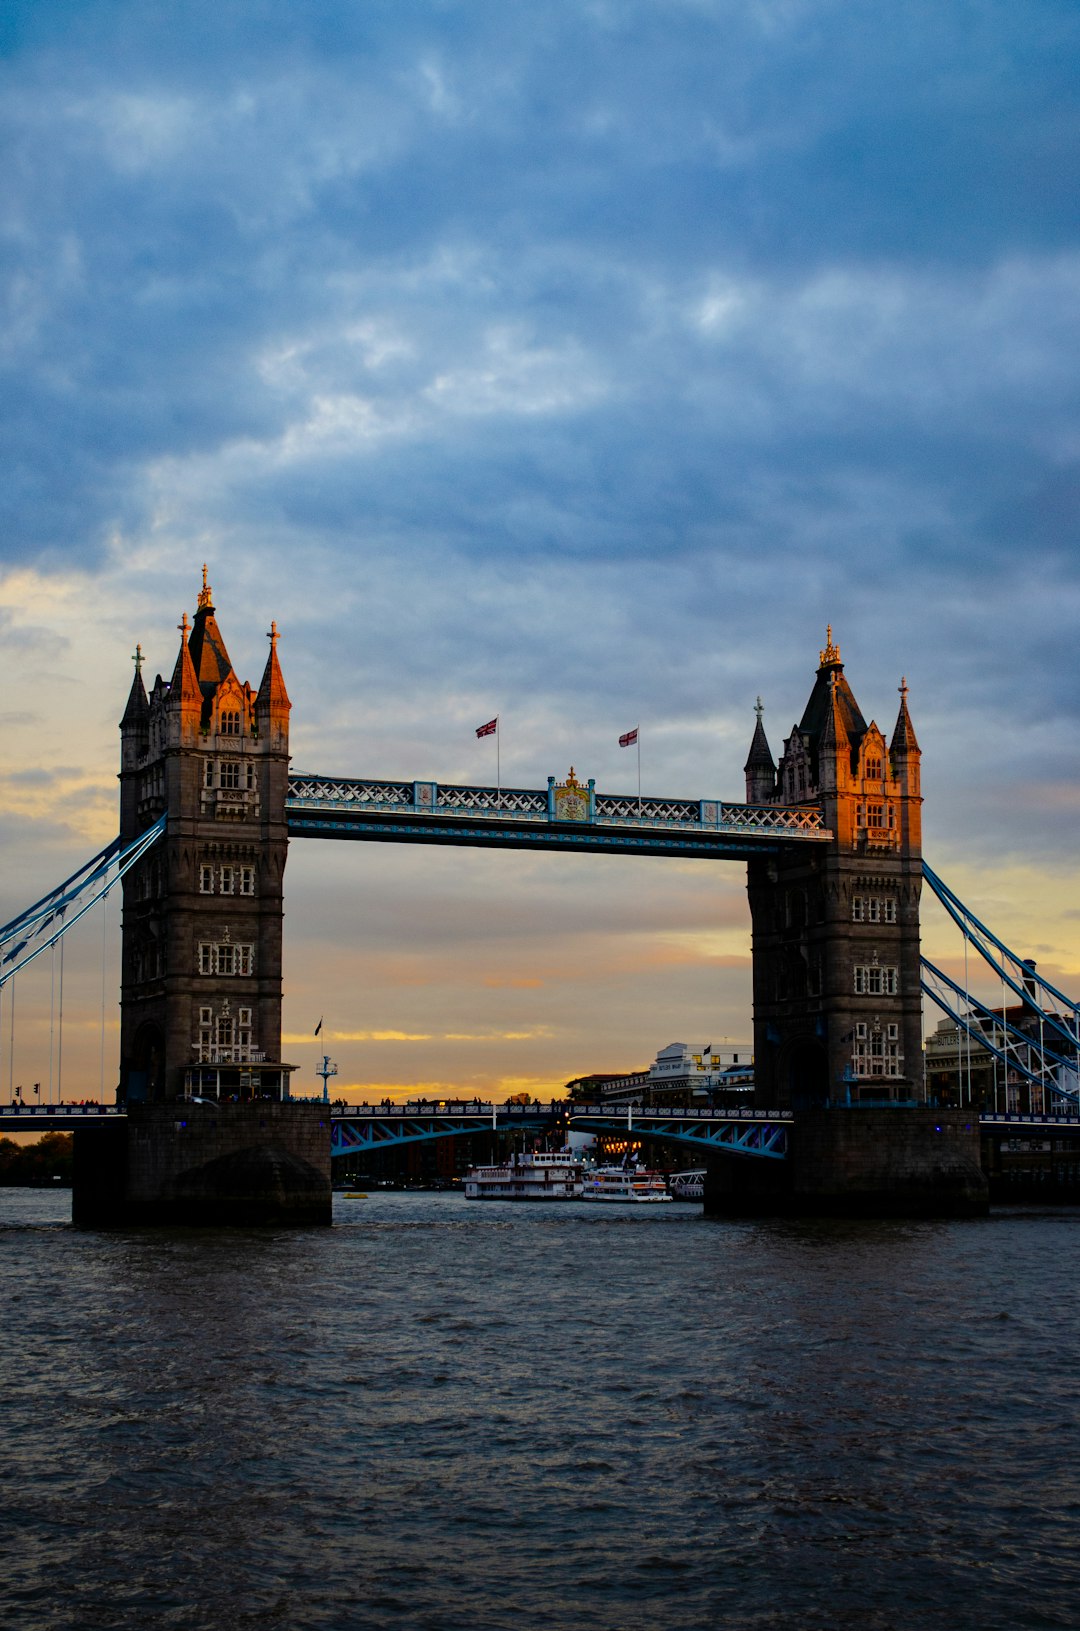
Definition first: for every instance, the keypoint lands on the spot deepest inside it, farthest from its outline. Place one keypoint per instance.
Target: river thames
(443, 1414)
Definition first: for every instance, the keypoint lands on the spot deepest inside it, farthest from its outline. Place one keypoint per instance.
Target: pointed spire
(138, 708)
(759, 768)
(834, 745)
(903, 737)
(831, 691)
(272, 694)
(760, 753)
(184, 689)
(208, 655)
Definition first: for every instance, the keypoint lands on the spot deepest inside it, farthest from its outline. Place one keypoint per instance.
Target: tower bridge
(829, 832)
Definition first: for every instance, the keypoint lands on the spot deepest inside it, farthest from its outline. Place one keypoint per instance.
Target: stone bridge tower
(836, 972)
(202, 925)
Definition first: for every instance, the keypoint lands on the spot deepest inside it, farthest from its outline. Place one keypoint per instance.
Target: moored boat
(545, 1175)
(634, 1184)
(687, 1186)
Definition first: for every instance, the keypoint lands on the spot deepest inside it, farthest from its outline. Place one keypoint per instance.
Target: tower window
(247, 880)
(874, 980)
(230, 773)
(206, 880)
(873, 909)
(230, 722)
(873, 770)
(225, 958)
(228, 880)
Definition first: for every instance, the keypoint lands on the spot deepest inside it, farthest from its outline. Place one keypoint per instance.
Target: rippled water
(449, 1414)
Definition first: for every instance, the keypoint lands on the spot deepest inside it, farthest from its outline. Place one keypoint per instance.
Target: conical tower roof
(760, 753)
(903, 736)
(184, 686)
(208, 655)
(832, 702)
(272, 693)
(138, 708)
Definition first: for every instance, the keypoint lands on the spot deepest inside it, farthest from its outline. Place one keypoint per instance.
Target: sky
(576, 363)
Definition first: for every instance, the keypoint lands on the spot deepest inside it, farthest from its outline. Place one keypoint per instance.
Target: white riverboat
(545, 1175)
(687, 1186)
(633, 1184)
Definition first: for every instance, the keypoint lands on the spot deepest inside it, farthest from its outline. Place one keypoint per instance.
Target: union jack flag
(489, 729)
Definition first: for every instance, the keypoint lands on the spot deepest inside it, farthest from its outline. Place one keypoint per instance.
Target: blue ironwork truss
(1019, 975)
(91, 880)
(524, 818)
(967, 1012)
(352, 1134)
(752, 1133)
(764, 1135)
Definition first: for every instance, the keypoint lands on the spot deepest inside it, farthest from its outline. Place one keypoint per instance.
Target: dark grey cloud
(576, 362)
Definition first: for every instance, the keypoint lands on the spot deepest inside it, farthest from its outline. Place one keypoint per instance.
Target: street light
(326, 1070)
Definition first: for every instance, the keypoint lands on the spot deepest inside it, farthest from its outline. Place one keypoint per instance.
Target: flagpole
(498, 766)
(638, 745)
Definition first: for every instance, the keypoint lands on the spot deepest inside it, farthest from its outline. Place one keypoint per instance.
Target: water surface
(454, 1414)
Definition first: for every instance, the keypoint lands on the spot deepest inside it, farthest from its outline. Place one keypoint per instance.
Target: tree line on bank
(43, 1163)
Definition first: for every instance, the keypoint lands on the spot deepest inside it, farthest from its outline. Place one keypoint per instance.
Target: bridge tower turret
(760, 769)
(837, 995)
(202, 928)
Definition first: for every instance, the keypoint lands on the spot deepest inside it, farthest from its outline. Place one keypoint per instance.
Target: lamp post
(326, 1070)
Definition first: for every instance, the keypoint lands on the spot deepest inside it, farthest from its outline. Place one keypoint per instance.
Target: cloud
(579, 366)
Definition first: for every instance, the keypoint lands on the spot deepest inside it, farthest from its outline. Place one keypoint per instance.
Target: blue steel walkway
(524, 818)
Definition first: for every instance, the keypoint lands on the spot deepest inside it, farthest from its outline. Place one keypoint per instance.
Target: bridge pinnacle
(184, 626)
(831, 654)
(206, 594)
(138, 659)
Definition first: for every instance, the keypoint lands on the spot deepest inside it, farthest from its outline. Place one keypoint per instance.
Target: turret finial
(206, 594)
(138, 659)
(902, 687)
(831, 654)
(759, 709)
(272, 634)
(184, 626)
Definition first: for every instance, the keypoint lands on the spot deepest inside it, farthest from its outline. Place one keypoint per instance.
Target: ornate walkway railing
(433, 812)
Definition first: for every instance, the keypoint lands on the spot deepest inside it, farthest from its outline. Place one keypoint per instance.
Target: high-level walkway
(523, 818)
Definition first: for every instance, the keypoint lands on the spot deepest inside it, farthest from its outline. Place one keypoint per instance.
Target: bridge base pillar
(890, 1162)
(206, 1165)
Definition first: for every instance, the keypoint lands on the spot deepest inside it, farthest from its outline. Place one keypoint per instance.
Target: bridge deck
(523, 818)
